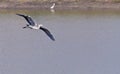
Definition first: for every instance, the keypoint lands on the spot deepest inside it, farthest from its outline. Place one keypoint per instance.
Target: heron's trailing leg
(24, 27)
(27, 26)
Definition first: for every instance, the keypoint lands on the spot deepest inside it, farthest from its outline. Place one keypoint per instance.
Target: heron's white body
(36, 26)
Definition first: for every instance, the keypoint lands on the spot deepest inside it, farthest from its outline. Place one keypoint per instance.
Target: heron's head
(40, 25)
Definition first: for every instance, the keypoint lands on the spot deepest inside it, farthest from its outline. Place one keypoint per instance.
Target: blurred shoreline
(89, 5)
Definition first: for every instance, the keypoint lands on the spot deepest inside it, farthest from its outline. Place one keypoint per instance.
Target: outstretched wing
(48, 33)
(28, 19)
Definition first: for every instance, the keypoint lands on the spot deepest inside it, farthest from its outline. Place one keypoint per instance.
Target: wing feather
(48, 33)
(28, 19)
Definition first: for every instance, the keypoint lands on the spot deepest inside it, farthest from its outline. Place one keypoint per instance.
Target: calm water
(87, 42)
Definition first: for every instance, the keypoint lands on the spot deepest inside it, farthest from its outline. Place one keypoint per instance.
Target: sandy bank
(60, 5)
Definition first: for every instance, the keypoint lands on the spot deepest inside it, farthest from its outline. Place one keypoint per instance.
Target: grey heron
(52, 7)
(33, 25)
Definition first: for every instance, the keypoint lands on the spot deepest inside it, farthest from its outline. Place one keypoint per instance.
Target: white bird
(33, 25)
(52, 7)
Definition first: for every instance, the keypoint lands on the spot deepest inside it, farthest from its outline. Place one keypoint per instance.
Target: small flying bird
(33, 25)
(52, 7)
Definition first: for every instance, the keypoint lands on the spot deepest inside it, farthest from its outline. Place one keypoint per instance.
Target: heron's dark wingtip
(19, 14)
(16, 13)
(53, 39)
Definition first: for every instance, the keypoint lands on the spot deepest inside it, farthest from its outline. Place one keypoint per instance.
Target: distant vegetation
(61, 4)
(57, 0)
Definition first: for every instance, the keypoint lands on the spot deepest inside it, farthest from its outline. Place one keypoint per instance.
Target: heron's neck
(39, 25)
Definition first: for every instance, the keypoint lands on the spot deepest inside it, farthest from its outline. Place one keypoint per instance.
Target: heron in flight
(33, 25)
